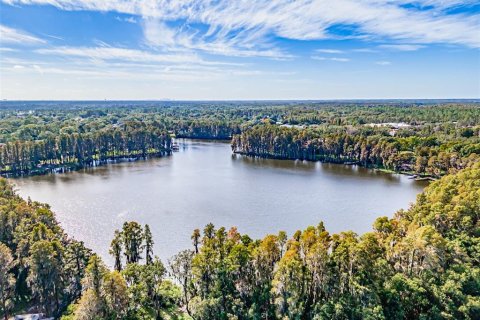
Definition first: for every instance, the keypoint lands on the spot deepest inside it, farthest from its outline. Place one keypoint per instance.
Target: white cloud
(340, 59)
(113, 53)
(241, 44)
(38, 69)
(10, 35)
(127, 19)
(320, 58)
(179, 37)
(438, 4)
(54, 37)
(6, 49)
(402, 47)
(383, 63)
(143, 71)
(247, 28)
(364, 50)
(105, 62)
(333, 51)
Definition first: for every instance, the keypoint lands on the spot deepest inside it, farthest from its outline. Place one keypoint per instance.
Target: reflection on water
(203, 183)
(260, 163)
(299, 166)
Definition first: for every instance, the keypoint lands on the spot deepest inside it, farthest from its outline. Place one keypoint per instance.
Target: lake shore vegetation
(423, 263)
(426, 139)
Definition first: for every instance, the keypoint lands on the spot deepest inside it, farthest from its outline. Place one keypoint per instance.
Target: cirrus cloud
(247, 28)
(10, 35)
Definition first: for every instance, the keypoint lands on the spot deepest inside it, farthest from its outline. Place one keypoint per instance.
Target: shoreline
(65, 168)
(411, 175)
(54, 169)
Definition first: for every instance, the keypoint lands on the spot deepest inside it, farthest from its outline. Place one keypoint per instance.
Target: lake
(204, 182)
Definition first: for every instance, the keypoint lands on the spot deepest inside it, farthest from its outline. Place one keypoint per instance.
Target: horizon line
(241, 100)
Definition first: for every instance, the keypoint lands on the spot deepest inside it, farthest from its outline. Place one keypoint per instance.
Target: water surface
(203, 183)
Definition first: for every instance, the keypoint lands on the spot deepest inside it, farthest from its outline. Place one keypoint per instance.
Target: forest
(423, 155)
(428, 138)
(78, 150)
(424, 263)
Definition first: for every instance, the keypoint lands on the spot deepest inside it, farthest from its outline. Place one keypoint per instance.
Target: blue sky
(216, 50)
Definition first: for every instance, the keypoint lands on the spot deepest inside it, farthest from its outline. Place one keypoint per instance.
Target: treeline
(133, 290)
(40, 266)
(78, 150)
(42, 270)
(467, 114)
(37, 137)
(424, 263)
(206, 129)
(36, 121)
(369, 147)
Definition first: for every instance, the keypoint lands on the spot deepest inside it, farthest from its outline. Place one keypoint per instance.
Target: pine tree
(196, 239)
(132, 238)
(148, 245)
(116, 250)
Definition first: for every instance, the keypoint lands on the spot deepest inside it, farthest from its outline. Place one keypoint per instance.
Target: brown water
(203, 183)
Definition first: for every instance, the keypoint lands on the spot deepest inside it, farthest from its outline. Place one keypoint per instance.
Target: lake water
(203, 183)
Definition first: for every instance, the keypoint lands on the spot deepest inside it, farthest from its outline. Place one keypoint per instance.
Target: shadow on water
(321, 168)
(262, 163)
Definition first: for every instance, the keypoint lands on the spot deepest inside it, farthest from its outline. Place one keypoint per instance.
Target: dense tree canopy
(40, 264)
(424, 263)
(428, 138)
(431, 155)
(78, 150)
